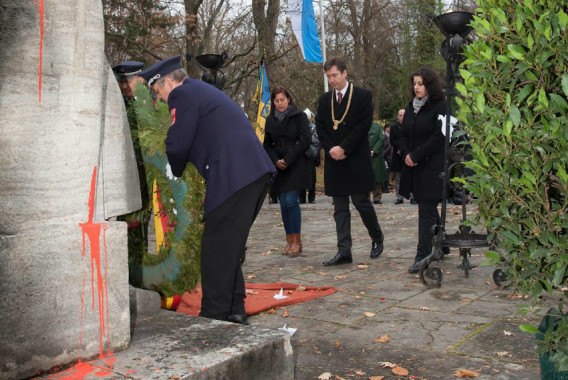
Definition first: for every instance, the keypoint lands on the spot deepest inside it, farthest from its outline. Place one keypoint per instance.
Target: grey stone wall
(49, 291)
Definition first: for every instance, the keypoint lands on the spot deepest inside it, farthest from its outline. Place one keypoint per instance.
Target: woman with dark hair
(422, 147)
(287, 137)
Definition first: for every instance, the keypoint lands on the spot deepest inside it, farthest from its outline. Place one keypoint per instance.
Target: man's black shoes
(337, 260)
(414, 268)
(399, 202)
(238, 318)
(376, 249)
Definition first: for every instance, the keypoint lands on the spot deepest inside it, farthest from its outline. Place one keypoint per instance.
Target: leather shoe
(399, 202)
(414, 268)
(376, 249)
(337, 260)
(413, 201)
(238, 318)
(378, 202)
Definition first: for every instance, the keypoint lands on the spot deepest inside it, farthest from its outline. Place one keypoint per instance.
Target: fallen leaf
(363, 266)
(340, 277)
(507, 332)
(363, 293)
(388, 364)
(301, 288)
(289, 292)
(367, 314)
(376, 378)
(383, 339)
(465, 373)
(316, 350)
(251, 276)
(325, 376)
(424, 308)
(487, 283)
(466, 300)
(360, 373)
(250, 291)
(339, 377)
(321, 273)
(266, 253)
(400, 371)
(358, 297)
(504, 353)
(308, 268)
(271, 311)
(337, 343)
(285, 314)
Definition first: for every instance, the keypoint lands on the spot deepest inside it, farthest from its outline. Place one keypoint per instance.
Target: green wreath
(175, 268)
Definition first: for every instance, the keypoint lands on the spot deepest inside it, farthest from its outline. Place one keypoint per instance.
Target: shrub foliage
(514, 105)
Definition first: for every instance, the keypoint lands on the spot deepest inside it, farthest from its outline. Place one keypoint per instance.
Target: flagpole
(325, 84)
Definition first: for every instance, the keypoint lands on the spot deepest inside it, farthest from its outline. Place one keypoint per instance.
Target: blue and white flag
(304, 25)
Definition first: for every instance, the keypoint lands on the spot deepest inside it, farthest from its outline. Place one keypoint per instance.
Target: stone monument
(67, 168)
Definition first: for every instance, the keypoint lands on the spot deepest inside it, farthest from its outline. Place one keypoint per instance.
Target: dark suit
(211, 131)
(352, 176)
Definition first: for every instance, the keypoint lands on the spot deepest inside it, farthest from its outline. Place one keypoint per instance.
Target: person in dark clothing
(422, 146)
(126, 74)
(287, 136)
(396, 158)
(212, 132)
(314, 163)
(343, 121)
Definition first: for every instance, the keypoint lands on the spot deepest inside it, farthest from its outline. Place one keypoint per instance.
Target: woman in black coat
(422, 146)
(287, 137)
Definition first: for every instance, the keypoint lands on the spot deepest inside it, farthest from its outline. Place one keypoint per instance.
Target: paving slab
(433, 332)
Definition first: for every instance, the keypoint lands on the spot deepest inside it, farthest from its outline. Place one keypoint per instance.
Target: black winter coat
(353, 175)
(289, 140)
(422, 138)
(396, 159)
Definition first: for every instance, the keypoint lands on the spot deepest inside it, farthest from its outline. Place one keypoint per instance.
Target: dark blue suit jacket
(211, 131)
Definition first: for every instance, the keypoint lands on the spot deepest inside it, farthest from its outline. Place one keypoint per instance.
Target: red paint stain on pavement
(80, 370)
(93, 232)
(40, 8)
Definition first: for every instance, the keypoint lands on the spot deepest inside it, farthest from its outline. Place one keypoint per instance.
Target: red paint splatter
(93, 232)
(40, 8)
(80, 370)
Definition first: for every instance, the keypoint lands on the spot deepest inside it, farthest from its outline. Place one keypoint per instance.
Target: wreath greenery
(175, 269)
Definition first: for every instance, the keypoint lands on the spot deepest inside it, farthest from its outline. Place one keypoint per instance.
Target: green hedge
(514, 91)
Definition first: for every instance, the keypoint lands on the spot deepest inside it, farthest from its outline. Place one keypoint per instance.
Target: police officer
(126, 73)
(213, 133)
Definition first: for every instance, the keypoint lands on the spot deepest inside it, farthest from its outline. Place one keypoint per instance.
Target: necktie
(339, 98)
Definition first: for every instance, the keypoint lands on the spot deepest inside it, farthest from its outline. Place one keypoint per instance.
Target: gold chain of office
(337, 122)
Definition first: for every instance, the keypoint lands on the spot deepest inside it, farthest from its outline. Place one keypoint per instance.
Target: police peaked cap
(127, 69)
(158, 70)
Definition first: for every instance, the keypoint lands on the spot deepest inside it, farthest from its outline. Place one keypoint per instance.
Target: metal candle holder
(454, 26)
(212, 64)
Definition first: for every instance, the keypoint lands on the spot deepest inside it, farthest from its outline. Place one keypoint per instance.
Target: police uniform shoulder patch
(173, 113)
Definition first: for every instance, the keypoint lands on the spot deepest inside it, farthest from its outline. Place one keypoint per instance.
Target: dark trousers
(342, 217)
(428, 217)
(224, 239)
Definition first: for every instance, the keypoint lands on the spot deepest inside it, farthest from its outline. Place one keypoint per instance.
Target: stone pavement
(467, 323)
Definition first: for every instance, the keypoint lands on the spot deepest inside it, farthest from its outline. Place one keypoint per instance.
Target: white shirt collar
(343, 91)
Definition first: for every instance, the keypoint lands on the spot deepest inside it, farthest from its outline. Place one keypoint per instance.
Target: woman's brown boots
(293, 244)
(288, 244)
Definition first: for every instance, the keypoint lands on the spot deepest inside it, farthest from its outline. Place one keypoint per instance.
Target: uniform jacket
(396, 159)
(353, 175)
(422, 138)
(213, 133)
(376, 144)
(289, 140)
